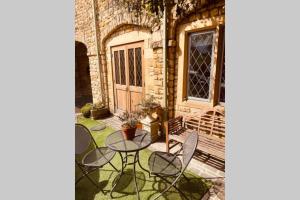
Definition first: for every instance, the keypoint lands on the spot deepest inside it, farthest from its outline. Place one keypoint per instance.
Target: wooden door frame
(125, 47)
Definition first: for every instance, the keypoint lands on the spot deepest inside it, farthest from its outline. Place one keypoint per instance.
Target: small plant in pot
(148, 106)
(138, 115)
(148, 103)
(129, 128)
(99, 111)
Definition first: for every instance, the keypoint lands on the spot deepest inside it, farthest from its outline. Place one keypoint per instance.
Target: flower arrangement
(131, 121)
(148, 102)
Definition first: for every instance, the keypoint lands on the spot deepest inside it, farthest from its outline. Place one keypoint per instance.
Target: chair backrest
(175, 125)
(83, 138)
(189, 148)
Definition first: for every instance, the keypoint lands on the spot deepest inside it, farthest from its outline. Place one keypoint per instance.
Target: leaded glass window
(131, 66)
(199, 64)
(122, 67)
(135, 66)
(117, 73)
(138, 63)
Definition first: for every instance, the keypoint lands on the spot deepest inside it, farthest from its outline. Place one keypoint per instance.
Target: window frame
(221, 71)
(211, 67)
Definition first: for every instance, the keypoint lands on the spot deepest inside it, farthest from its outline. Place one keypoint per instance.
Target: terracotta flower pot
(139, 126)
(129, 133)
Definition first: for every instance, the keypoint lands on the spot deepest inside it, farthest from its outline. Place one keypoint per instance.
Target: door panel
(128, 76)
(135, 99)
(121, 100)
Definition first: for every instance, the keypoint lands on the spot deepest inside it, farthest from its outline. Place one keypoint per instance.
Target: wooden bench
(210, 126)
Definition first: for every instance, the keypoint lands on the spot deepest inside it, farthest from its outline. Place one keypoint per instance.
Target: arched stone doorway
(83, 89)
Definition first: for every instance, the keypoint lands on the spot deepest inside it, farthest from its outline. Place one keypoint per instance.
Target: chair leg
(167, 146)
(114, 167)
(172, 184)
(85, 174)
(92, 180)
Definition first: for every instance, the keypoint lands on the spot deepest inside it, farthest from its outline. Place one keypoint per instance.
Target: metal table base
(124, 164)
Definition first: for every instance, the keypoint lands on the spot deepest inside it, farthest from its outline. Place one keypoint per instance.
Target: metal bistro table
(118, 143)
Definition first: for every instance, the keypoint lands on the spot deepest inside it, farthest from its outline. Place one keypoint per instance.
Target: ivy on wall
(156, 7)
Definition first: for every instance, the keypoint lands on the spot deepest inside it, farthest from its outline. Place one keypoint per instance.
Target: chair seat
(163, 163)
(98, 157)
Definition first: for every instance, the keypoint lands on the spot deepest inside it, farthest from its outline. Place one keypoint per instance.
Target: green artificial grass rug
(149, 187)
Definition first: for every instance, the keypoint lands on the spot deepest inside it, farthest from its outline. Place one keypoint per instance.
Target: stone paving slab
(113, 121)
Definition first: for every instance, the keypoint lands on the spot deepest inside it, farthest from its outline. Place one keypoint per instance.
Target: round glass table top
(117, 142)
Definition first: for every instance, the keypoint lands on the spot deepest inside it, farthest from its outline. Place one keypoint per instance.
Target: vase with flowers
(129, 128)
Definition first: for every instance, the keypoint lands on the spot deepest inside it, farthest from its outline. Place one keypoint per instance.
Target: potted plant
(138, 115)
(148, 105)
(99, 111)
(86, 110)
(129, 128)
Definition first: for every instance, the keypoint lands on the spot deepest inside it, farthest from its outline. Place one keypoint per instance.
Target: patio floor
(201, 164)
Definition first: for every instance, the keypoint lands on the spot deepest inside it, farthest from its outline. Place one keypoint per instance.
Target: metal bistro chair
(95, 158)
(163, 164)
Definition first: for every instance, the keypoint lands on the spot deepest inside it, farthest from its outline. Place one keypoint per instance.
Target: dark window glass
(131, 66)
(138, 64)
(200, 62)
(117, 73)
(122, 67)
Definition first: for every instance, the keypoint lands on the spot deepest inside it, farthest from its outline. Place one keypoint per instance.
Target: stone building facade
(124, 56)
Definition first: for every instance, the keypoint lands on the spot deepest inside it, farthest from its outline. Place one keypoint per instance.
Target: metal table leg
(120, 174)
(134, 174)
(124, 164)
(138, 158)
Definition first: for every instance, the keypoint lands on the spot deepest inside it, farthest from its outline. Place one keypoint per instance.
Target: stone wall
(155, 72)
(85, 33)
(113, 21)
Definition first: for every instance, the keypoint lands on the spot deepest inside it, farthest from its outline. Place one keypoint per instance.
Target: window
(122, 67)
(135, 66)
(138, 64)
(116, 57)
(131, 66)
(199, 65)
(119, 59)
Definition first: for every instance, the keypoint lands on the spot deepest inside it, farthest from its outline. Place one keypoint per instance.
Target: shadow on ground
(194, 189)
(149, 187)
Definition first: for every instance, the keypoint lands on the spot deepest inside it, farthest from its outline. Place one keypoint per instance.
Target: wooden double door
(128, 76)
